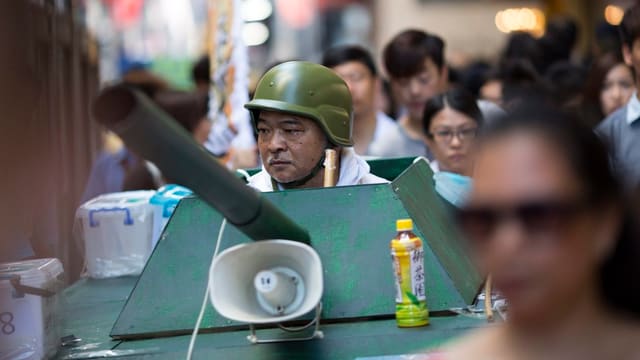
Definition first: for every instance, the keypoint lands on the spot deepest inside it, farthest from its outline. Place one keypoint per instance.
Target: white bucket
(116, 229)
(29, 328)
(164, 202)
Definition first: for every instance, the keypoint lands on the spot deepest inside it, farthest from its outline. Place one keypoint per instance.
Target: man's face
(414, 91)
(632, 56)
(290, 146)
(362, 85)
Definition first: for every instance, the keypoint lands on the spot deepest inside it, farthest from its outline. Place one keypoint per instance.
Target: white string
(192, 342)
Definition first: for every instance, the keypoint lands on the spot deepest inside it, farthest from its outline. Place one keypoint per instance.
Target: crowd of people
(425, 107)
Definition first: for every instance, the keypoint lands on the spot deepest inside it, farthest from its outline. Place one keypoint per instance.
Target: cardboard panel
(350, 228)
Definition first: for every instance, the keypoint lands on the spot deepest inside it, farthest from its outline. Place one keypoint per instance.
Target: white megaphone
(269, 281)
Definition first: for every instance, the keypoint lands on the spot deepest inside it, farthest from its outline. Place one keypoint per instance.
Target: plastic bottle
(407, 255)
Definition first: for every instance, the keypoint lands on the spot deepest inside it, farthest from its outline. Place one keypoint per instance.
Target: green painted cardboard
(350, 229)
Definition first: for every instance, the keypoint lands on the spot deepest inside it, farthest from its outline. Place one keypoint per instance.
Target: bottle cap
(404, 225)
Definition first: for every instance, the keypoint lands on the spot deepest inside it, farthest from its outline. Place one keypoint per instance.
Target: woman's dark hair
(589, 161)
(457, 99)
(404, 56)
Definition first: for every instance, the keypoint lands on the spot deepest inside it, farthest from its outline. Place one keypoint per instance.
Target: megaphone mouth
(232, 277)
(289, 301)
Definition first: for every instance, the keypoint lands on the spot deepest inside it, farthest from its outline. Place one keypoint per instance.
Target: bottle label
(417, 273)
(397, 274)
(408, 270)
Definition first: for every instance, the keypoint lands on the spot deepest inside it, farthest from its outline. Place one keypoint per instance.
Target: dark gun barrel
(151, 133)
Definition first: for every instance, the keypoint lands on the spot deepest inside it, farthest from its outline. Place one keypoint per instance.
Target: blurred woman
(609, 86)
(546, 219)
(451, 121)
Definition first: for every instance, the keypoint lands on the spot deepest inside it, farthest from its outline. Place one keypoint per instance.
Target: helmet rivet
(271, 84)
(311, 93)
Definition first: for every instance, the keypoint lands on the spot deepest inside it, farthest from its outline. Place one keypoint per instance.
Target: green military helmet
(310, 90)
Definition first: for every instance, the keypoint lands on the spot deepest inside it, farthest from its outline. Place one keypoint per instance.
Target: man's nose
(277, 142)
(415, 87)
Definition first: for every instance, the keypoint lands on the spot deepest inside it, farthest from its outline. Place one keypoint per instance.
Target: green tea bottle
(407, 255)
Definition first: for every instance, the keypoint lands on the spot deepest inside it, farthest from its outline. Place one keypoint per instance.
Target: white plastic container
(116, 231)
(29, 327)
(164, 202)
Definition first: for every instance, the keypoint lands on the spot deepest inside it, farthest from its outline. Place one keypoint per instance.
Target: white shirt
(384, 126)
(633, 108)
(353, 171)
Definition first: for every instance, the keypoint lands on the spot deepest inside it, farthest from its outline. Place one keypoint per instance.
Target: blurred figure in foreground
(546, 219)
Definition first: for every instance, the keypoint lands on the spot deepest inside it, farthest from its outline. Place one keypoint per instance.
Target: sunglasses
(536, 217)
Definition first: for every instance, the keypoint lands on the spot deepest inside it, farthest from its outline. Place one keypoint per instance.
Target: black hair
(607, 38)
(588, 159)
(630, 26)
(565, 82)
(404, 56)
(456, 98)
(523, 46)
(519, 80)
(200, 73)
(474, 76)
(339, 55)
(558, 41)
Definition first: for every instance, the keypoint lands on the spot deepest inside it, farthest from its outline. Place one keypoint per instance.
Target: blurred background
(57, 54)
(168, 35)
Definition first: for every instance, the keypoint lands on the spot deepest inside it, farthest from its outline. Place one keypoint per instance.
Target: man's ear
(377, 85)
(626, 55)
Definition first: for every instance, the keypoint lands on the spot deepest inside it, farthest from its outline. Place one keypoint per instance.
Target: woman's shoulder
(480, 345)
(623, 337)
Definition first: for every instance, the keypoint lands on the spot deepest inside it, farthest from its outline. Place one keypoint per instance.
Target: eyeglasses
(479, 223)
(446, 136)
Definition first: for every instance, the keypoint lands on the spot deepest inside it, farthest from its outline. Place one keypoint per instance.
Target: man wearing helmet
(299, 110)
